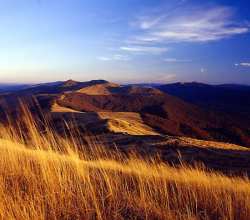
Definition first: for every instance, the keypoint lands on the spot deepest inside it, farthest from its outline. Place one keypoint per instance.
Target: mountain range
(231, 98)
(218, 113)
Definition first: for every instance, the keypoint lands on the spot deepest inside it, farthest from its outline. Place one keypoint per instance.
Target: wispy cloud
(203, 70)
(157, 78)
(167, 77)
(102, 58)
(242, 64)
(144, 49)
(163, 78)
(174, 60)
(116, 57)
(190, 25)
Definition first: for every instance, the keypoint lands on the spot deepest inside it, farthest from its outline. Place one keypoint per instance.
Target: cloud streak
(242, 64)
(115, 57)
(193, 25)
(174, 60)
(144, 49)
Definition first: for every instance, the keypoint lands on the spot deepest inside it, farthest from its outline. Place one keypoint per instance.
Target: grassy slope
(117, 122)
(47, 178)
(127, 122)
(38, 184)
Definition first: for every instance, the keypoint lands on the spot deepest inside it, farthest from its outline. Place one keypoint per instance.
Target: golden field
(45, 176)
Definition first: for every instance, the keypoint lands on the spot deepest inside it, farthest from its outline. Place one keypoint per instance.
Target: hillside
(164, 113)
(63, 162)
(146, 110)
(50, 177)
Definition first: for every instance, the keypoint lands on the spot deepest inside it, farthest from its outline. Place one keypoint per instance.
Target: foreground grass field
(47, 177)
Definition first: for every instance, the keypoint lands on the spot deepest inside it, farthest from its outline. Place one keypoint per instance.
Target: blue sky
(125, 41)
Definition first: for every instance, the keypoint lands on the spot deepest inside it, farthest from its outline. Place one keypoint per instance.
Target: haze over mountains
(225, 97)
(191, 109)
(7, 87)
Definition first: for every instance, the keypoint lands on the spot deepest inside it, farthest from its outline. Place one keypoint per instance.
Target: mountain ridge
(163, 113)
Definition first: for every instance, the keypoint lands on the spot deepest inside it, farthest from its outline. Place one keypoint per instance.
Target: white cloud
(144, 49)
(174, 60)
(121, 57)
(159, 78)
(104, 58)
(245, 64)
(242, 64)
(167, 77)
(203, 70)
(193, 25)
(146, 23)
(116, 57)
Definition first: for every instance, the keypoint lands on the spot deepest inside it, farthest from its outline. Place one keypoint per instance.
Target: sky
(125, 41)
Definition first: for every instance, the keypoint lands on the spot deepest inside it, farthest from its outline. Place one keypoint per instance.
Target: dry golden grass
(99, 89)
(57, 108)
(212, 144)
(127, 122)
(45, 176)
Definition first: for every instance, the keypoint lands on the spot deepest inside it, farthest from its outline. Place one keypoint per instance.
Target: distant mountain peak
(193, 83)
(70, 83)
(99, 88)
(99, 81)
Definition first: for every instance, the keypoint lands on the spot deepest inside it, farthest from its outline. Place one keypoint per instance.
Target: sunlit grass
(45, 176)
